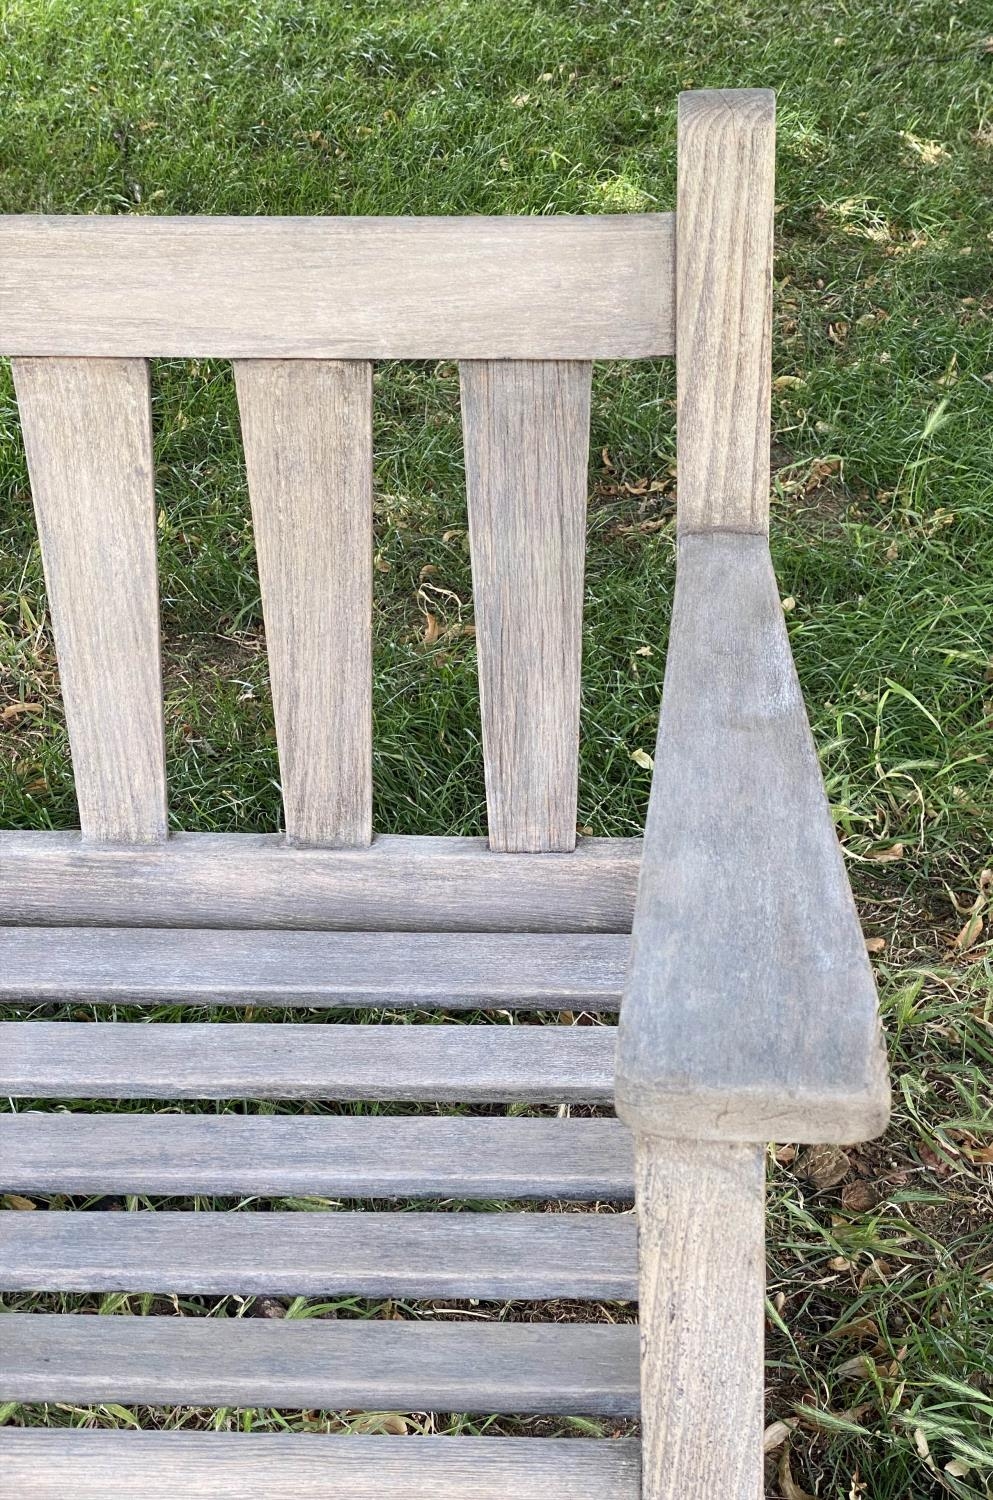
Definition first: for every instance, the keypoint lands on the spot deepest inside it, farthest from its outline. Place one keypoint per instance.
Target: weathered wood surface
(203, 1060)
(251, 880)
(88, 435)
(556, 287)
(324, 1253)
(724, 226)
(307, 430)
(332, 1364)
(702, 1247)
(402, 970)
(750, 1007)
(527, 425)
(350, 1156)
(95, 1465)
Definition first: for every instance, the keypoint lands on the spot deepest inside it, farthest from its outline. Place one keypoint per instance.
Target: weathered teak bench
(749, 1009)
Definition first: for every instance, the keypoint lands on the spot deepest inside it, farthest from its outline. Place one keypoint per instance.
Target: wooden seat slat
(258, 1060)
(458, 971)
(350, 1156)
(487, 1255)
(402, 882)
(96, 1465)
(331, 1363)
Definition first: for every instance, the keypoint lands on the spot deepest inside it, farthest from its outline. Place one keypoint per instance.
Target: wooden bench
(749, 1008)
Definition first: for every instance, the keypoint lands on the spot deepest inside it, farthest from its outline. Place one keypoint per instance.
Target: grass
(881, 1306)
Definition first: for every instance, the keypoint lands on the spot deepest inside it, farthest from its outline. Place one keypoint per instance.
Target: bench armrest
(750, 1008)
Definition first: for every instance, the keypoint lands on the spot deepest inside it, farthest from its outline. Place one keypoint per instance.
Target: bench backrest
(303, 307)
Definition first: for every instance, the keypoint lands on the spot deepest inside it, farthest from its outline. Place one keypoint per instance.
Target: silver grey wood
(351, 1156)
(555, 287)
(205, 1060)
(252, 880)
(701, 1218)
(487, 1255)
(527, 438)
(329, 1363)
(307, 431)
(100, 1465)
(726, 172)
(161, 965)
(750, 1008)
(88, 435)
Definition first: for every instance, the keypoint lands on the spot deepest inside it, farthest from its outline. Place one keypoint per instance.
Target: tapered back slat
(307, 429)
(527, 451)
(88, 435)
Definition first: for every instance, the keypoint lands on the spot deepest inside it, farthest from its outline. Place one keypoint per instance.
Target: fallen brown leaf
(970, 933)
(776, 1434)
(791, 1490)
(886, 856)
(824, 1166)
(859, 1197)
(18, 710)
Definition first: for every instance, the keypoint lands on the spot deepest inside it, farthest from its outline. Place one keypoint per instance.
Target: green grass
(883, 538)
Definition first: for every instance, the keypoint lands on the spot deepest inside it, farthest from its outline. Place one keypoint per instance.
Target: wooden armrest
(750, 1008)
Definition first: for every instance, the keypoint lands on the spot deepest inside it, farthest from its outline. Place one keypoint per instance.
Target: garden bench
(749, 1010)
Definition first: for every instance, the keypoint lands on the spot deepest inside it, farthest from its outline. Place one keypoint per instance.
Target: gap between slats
(333, 1364)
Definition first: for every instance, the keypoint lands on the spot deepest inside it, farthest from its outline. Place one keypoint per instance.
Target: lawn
(880, 1343)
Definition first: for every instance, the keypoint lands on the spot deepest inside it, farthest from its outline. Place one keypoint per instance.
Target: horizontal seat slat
(95, 1465)
(227, 1060)
(334, 1364)
(542, 287)
(398, 883)
(396, 969)
(487, 1255)
(359, 1156)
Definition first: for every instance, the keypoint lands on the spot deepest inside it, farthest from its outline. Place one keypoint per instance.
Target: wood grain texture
(527, 426)
(251, 880)
(307, 430)
(333, 1364)
(702, 1253)
(324, 1253)
(95, 1465)
(359, 1156)
(750, 1007)
(580, 971)
(724, 229)
(88, 434)
(202, 1060)
(556, 287)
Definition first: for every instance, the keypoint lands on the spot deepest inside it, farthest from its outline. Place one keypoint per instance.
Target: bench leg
(701, 1211)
